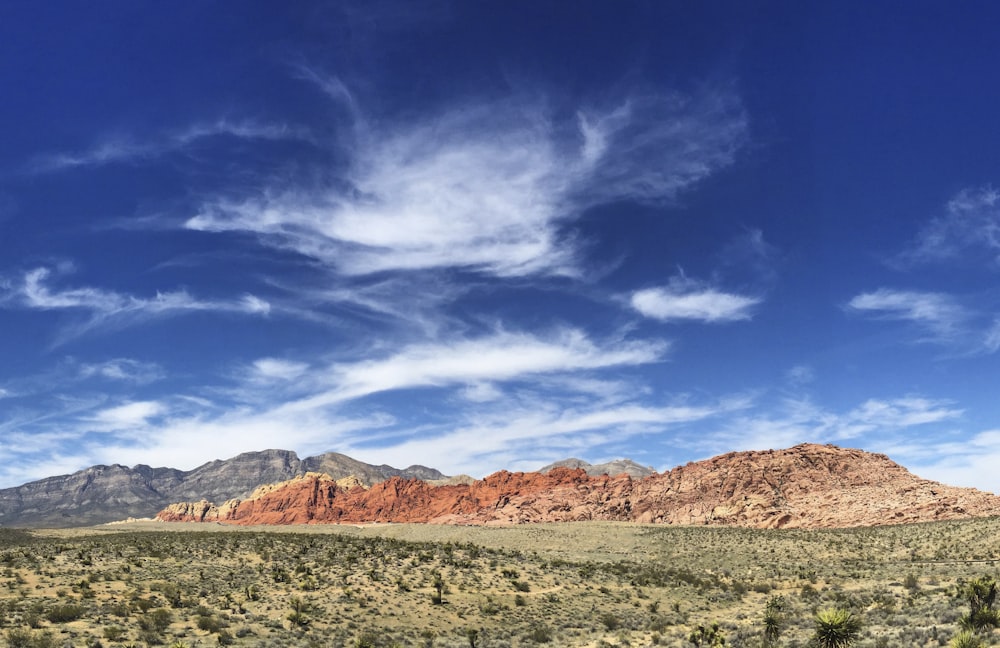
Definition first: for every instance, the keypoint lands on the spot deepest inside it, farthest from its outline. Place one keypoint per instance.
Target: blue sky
(486, 235)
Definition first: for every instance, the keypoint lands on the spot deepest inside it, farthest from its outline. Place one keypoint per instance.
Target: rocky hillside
(105, 493)
(805, 486)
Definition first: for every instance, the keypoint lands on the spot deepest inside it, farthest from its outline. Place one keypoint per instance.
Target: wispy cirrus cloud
(126, 149)
(33, 291)
(877, 421)
(969, 227)
(123, 369)
(500, 357)
(941, 315)
(688, 299)
(491, 188)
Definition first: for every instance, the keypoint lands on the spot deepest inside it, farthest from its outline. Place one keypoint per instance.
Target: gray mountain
(106, 493)
(617, 467)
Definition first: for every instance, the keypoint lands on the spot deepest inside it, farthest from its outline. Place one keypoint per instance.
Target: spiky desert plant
(774, 620)
(836, 628)
(965, 639)
(981, 594)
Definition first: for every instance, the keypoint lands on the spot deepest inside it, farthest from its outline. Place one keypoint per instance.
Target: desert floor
(578, 584)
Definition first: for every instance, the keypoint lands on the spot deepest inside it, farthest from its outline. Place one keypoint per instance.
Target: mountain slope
(807, 486)
(105, 493)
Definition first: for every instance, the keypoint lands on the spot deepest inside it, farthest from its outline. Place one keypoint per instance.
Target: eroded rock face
(807, 486)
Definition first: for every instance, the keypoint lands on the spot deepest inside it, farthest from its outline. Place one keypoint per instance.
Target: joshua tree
(438, 597)
(774, 620)
(298, 614)
(836, 628)
(981, 594)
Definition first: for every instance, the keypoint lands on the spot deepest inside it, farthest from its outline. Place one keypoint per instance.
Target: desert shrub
(610, 620)
(19, 638)
(209, 623)
(540, 633)
(156, 620)
(113, 633)
(64, 613)
(708, 636)
(367, 639)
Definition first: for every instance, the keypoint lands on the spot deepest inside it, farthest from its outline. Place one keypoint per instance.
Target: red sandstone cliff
(805, 486)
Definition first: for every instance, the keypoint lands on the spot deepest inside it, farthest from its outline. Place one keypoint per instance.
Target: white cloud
(503, 356)
(796, 421)
(991, 338)
(488, 188)
(123, 149)
(482, 392)
(276, 369)
(968, 462)
(969, 226)
(532, 435)
(801, 375)
(937, 312)
(686, 299)
(123, 369)
(108, 307)
(126, 417)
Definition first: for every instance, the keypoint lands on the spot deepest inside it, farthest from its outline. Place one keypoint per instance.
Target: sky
(491, 235)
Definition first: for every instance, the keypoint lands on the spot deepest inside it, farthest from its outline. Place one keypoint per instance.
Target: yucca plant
(836, 628)
(965, 639)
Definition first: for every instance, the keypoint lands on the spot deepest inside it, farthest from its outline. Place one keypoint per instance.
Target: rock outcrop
(807, 486)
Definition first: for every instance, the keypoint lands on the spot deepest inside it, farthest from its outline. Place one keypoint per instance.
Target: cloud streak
(34, 292)
(500, 357)
(126, 150)
(940, 314)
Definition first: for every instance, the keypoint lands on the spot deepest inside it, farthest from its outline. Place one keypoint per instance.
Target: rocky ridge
(101, 494)
(807, 486)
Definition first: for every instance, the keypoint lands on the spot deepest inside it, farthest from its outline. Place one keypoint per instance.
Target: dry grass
(582, 584)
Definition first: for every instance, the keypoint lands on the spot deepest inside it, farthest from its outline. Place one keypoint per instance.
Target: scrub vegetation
(580, 584)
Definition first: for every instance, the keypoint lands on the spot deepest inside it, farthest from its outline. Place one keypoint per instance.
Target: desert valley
(748, 548)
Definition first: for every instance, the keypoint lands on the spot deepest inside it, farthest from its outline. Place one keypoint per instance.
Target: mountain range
(807, 486)
(102, 494)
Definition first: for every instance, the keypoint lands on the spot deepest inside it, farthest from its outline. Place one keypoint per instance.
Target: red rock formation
(805, 486)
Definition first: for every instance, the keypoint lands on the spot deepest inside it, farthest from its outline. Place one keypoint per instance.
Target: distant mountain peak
(101, 493)
(612, 468)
